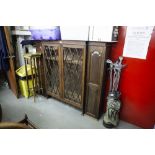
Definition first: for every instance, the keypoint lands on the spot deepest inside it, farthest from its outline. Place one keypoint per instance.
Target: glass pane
(51, 55)
(73, 73)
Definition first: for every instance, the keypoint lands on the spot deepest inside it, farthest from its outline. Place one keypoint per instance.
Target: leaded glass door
(73, 74)
(52, 69)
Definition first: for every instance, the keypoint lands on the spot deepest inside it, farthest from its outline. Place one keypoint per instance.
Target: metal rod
(35, 73)
(40, 75)
(111, 68)
(38, 70)
(32, 78)
(114, 80)
(27, 77)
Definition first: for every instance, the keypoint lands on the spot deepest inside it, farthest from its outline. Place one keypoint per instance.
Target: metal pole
(27, 77)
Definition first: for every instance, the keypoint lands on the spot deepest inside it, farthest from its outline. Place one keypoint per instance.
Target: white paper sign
(137, 42)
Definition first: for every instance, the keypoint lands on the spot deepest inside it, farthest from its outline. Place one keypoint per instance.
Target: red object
(137, 84)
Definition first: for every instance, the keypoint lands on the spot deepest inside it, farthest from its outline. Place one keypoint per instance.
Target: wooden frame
(11, 56)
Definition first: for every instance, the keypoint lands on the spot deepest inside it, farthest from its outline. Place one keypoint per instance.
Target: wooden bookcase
(74, 72)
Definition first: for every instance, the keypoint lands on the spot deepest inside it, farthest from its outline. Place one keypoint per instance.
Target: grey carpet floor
(48, 113)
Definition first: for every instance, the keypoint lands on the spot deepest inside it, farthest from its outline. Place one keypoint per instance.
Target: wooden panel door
(95, 69)
(11, 57)
(73, 74)
(52, 68)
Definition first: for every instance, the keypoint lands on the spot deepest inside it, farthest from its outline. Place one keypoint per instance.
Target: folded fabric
(4, 62)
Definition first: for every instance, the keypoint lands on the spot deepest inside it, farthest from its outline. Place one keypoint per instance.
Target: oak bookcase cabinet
(74, 72)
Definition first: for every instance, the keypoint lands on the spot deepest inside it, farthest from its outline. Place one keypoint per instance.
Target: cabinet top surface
(82, 42)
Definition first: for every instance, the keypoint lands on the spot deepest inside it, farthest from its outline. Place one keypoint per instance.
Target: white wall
(101, 33)
(92, 33)
(74, 32)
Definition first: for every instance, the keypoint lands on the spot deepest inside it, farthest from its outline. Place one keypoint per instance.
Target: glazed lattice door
(73, 75)
(52, 70)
